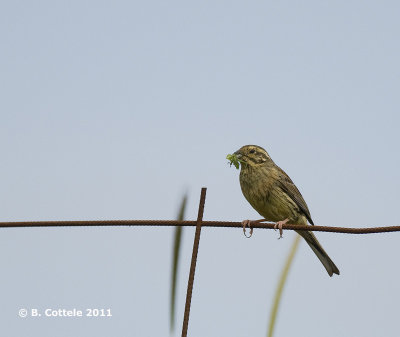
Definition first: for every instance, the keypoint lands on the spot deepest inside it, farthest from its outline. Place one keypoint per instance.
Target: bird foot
(279, 225)
(247, 224)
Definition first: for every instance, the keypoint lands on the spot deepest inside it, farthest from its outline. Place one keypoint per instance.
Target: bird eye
(252, 151)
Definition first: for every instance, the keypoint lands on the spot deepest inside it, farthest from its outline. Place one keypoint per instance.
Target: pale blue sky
(112, 110)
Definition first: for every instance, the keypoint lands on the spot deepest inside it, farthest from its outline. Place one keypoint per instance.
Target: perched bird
(274, 195)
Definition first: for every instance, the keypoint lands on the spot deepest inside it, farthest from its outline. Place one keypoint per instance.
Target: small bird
(274, 195)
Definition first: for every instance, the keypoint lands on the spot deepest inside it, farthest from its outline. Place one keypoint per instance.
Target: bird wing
(286, 184)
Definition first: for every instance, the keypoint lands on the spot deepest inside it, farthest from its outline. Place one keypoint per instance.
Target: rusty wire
(217, 224)
(193, 262)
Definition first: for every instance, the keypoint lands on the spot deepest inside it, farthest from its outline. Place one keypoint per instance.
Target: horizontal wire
(231, 224)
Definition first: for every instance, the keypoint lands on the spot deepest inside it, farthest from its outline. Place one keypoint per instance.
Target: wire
(217, 224)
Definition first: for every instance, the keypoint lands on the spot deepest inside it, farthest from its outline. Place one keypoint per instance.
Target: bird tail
(320, 252)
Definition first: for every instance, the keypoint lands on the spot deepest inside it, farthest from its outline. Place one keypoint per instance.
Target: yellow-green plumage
(273, 194)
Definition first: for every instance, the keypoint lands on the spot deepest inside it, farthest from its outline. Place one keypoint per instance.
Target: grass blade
(281, 284)
(175, 260)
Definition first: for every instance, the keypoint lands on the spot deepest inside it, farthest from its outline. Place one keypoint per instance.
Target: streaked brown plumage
(274, 195)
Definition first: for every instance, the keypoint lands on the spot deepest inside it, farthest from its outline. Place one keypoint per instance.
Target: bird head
(253, 155)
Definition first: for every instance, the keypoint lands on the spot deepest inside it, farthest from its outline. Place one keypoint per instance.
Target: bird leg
(279, 225)
(247, 223)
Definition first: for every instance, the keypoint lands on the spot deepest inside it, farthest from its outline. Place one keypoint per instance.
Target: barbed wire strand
(193, 262)
(189, 223)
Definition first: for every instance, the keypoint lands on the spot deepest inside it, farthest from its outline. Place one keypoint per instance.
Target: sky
(114, 110)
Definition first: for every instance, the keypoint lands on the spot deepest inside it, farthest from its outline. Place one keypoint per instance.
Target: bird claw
(279, 225)
(247, 224)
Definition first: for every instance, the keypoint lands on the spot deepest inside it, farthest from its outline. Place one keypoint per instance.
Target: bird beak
(238, 154)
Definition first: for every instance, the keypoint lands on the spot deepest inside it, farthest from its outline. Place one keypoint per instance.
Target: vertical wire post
(193, 263)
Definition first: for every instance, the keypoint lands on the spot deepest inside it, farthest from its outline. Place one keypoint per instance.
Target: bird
(272, 193)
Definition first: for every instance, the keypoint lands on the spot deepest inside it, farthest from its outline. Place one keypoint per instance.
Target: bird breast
(262, 192)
